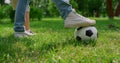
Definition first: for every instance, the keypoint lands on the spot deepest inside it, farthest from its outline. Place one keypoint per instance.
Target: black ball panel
(78, 38)
(89, 33)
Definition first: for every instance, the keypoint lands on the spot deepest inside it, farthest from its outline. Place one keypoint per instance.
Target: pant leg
(64, 7)
(20, 15)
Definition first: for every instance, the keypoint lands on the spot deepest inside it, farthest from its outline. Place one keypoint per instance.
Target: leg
(64, 7)
(20, 15)
(20, 19)
(27, 19)
(27, 22)
(71, 18)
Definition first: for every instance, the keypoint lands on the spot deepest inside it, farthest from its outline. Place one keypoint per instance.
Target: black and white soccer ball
(86, 33)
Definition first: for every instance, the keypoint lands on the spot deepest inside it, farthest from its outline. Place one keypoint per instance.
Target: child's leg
(27, 21)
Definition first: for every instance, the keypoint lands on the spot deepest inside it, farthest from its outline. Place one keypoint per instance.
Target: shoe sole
(78, 25)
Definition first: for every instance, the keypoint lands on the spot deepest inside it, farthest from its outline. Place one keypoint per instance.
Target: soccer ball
(86, 33)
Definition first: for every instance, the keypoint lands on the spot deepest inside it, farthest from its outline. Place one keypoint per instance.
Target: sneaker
(22, 34)
(75, 20)
(30, 32)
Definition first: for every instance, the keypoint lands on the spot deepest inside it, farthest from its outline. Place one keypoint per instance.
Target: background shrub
(35, 13)
(3, 12)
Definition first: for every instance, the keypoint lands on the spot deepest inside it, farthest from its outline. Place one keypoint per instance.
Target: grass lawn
(55, 44)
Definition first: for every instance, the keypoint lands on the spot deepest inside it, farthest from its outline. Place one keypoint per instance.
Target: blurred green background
(46, 8)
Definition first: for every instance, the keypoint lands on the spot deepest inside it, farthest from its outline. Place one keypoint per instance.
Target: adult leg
(71, 18)
(27, 22)
(27, 18)
(20, 15)
(64, 7)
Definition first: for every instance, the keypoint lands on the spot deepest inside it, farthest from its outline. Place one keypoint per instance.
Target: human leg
(27, 22)
(70, 16)
(20, 18)
(64, 7)
(20, 15)
(27, 19)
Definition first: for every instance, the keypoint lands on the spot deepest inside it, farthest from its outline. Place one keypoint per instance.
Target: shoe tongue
(73, 10)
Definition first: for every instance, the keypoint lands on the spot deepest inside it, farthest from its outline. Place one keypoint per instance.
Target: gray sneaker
(22, 34)
(75, 20)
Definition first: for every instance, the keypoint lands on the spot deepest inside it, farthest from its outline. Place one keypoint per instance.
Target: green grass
(55, 44)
